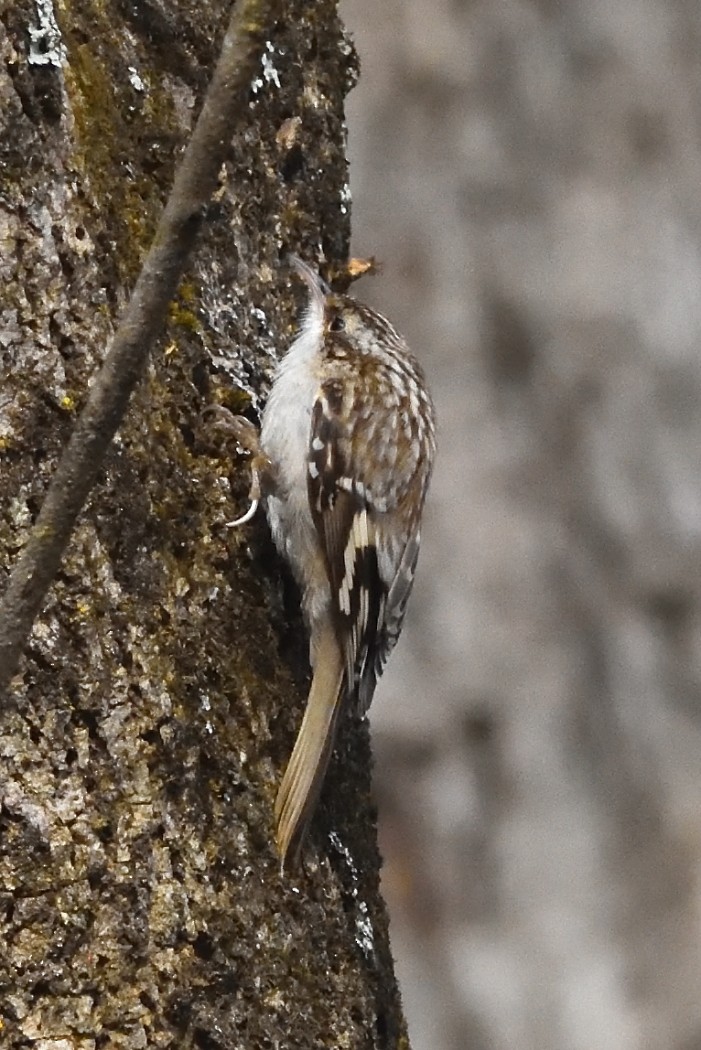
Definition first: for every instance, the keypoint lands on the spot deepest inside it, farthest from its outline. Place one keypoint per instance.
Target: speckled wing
(370, 556)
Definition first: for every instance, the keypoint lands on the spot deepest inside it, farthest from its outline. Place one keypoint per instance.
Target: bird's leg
(247, 437)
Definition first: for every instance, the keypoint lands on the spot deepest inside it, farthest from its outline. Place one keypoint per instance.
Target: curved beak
(318, 288)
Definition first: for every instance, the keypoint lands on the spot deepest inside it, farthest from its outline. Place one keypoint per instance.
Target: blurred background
(529, 172)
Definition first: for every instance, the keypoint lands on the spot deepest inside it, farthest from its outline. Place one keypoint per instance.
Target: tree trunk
(141, 902)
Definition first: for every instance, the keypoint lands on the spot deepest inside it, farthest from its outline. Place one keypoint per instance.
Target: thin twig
(107, 400)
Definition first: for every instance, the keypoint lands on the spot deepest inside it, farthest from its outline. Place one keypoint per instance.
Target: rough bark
(141, 902)
(529, 174)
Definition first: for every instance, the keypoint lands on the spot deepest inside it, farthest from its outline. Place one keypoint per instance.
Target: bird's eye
(337, 323)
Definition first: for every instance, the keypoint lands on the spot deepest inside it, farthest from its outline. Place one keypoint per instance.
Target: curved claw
(244, 517)
(248, 437)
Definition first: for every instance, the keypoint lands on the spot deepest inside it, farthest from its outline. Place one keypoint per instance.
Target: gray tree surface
(143, 737)
(530, 174)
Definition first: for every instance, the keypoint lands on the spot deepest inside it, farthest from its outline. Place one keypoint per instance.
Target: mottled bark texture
(530, 174)
(140, 897)
(225, 106)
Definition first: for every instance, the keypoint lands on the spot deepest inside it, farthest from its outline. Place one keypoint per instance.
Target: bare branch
(194, 183)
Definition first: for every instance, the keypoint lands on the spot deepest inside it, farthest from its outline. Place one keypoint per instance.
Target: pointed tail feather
(301, 785)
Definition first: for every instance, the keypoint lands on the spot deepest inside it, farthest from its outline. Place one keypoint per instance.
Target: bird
(342, 465)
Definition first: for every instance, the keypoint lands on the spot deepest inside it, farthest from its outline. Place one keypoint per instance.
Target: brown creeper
(348, 437)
